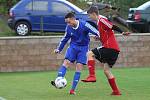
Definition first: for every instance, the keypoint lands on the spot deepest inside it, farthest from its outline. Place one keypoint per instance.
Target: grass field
(133, 82)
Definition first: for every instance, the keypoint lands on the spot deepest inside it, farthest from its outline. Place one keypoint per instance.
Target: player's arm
(111, 26)
(116, 28)
(63, 42)
(93, 24)
(92, 29)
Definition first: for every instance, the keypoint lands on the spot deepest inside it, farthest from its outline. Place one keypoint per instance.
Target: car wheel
(22, 28)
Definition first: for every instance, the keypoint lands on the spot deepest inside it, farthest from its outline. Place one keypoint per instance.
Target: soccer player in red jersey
(107, 53)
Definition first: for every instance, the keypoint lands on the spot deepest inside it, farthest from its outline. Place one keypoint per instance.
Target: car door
(37, 10)
(148, 14)
(55, 21)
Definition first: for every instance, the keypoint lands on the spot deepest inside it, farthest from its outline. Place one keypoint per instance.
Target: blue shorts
(77, 53)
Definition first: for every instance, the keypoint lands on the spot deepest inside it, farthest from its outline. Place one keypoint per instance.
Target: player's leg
(110, 57)
(62, 70)
(111, 80)
(94, 53)
(81, 60)
(91, 67)
(69, 58)
(76, 77)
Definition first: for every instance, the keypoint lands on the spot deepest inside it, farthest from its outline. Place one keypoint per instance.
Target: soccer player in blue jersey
(77, 31)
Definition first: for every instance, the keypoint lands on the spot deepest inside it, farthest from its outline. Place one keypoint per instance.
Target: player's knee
(79, 67)
(106, 71)
(108, 74)
(66, 63)
(90, 54)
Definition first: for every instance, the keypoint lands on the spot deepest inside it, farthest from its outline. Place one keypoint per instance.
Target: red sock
(91, 66)
(113, 85)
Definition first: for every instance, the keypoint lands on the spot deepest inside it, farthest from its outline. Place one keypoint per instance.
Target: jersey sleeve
(92, 29)
(106, 22)
(64, 40)
(116, 28)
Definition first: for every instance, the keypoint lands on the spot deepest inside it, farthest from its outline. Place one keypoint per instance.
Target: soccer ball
(60, 82)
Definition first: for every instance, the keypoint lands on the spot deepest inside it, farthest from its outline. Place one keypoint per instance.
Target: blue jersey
(79, 36)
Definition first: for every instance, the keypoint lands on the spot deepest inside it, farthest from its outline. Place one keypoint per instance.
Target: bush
(5, 5)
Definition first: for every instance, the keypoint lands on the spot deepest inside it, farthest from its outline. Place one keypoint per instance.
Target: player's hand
(126, 33)
(96, 38)
(56, 51)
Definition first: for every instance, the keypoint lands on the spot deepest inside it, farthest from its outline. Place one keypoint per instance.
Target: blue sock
(62, 71)
(75, 80)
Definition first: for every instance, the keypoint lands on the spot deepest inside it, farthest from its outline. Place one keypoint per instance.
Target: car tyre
(22, 28)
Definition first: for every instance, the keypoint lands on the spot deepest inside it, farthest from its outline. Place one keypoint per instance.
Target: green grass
(133, 82)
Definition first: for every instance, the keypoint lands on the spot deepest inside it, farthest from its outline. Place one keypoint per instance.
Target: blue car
(41, 15)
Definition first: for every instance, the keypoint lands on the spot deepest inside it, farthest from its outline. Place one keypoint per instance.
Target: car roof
(65, 1)
(144, 6)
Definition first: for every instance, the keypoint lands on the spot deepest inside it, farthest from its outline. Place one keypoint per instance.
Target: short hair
(93, 9)
(70, 15)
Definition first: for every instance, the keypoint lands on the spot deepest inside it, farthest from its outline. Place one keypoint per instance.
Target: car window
(38, 6)
(58, 7)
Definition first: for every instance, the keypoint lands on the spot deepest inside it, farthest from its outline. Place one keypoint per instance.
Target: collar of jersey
(77, 25)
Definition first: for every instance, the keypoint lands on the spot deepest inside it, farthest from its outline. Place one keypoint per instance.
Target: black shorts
(106, 55)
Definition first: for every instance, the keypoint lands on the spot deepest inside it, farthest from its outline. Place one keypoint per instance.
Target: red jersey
(107, 36)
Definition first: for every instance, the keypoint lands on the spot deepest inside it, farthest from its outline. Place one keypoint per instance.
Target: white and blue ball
(60, 82)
